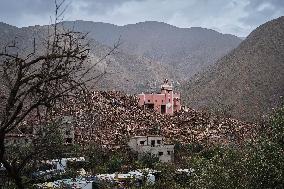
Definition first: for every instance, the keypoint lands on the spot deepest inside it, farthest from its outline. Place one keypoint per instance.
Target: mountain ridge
(142, 22)
(185, 50)
(153, 49)
(248, 82)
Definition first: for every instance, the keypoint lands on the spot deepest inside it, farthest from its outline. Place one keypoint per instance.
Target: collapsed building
(112, 118)
(165, 102)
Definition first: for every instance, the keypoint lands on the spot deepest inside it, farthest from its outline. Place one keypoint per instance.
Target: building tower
(165, 102)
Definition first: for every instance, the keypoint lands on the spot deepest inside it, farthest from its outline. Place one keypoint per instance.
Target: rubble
(112, 118)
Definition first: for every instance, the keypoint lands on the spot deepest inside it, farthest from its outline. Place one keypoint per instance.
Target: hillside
(183, 51)
(249, 81)
(125, 72)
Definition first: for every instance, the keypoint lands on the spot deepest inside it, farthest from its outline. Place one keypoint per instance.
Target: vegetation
(258, 164)
(32, 83)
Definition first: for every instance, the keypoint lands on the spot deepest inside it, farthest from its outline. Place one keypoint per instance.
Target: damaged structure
(153, 145)
(67, 130)
(15, 139)
(165, 102)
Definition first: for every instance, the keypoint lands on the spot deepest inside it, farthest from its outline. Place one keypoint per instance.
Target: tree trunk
(12, 172)
(18, 181)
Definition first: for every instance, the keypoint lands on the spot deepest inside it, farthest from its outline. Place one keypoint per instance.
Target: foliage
(33, 82)
(257, 165)
(97, 158)
(147, 160)
(50, 138)
(277, 127)
(103, 160)
(115, 163)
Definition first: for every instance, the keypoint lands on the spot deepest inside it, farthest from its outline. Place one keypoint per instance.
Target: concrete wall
(68, 133)
(164, 152)
(134, 142)
(156, 139)
(67, 129)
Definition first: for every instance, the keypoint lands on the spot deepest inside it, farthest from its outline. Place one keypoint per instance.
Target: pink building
(165, 102)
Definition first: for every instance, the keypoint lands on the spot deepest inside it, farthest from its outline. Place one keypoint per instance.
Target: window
(169, 152)
(142, 142)
(148, 100)
(152, 143)
(158, 141)
(169, 100)
(156, 101)
(68, 140)
(67, 132)
(161, 153)
(162, 100)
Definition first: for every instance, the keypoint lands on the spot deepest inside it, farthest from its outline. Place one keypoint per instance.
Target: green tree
(147, 160)
(257, 165)
(114, 164)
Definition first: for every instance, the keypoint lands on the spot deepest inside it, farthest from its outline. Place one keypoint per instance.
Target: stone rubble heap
(111, 118)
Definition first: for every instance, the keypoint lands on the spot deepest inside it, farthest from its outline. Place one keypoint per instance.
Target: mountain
(129, 73)
(249, 81)
(125, 72)
(183, 51)
(149, 51)
(7, 31)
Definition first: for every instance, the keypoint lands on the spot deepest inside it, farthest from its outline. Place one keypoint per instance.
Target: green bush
(257, 165)
(148, 161)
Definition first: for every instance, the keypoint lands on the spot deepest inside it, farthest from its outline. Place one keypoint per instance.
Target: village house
(65, 126)
(165, 102)
(153, 145)
(15, 139)
(67, 130)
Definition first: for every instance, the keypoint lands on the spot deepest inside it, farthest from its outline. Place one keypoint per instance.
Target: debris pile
(111, 118)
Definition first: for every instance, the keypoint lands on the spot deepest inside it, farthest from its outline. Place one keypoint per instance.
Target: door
(163, 109)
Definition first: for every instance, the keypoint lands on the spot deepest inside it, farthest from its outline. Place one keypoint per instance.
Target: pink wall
(166, 97)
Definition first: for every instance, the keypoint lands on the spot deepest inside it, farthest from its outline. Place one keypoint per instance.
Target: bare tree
(39, 80)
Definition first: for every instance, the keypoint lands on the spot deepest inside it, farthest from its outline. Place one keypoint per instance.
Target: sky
(237, 17)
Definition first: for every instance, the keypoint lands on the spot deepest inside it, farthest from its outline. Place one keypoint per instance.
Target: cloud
(26, 12)
(237, 17)
(260, 11)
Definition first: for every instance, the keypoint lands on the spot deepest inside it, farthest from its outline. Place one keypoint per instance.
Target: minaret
(167, 89)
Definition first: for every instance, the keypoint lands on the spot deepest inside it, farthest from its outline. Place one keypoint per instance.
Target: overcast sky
(238, 17)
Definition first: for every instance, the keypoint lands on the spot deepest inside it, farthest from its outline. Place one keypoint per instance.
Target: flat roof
(146, 136)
